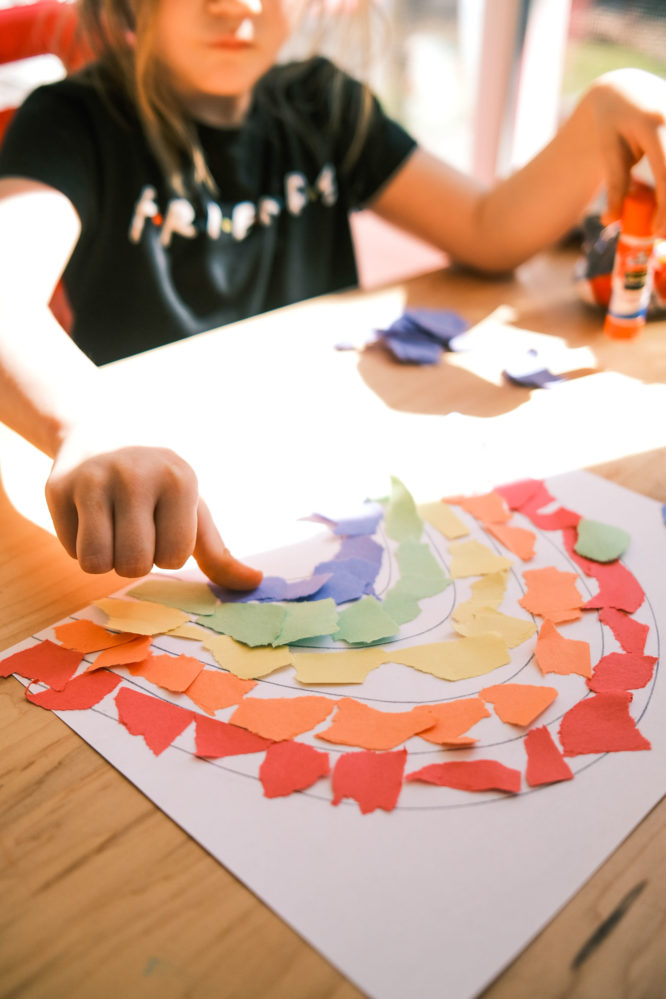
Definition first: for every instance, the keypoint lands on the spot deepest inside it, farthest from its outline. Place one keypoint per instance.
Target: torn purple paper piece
(275, 588)
(365, 521)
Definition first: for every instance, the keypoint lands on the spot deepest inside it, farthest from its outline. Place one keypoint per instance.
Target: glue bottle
(631, 284)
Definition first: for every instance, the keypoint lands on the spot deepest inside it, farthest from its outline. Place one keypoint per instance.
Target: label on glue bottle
(632, 278)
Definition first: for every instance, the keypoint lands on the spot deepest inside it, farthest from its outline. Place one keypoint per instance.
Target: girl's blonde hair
(121, 36)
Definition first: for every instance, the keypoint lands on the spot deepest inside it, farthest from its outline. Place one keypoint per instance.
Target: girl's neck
(218, 112)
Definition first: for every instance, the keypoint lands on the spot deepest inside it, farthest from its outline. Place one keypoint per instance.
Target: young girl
(185, 180)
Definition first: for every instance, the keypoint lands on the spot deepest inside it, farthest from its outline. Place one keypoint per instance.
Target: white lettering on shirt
(243, 218)
(180, 215)
(296, 192)
(146, 208)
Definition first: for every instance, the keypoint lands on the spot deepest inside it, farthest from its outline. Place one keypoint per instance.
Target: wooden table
(101, 894)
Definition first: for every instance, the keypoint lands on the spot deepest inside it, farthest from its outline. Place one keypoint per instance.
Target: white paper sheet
(438, 896)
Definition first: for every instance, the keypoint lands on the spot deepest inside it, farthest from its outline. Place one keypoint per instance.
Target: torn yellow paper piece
(243, 661)
(486, 592)
(193, 597)
(140, 616)
(458, 659)
(348, 666)
(514, 630)
(443, 518)
(191, 631)
(471, 558)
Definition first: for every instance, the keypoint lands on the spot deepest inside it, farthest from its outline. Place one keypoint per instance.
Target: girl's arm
(114, 505)
(620, 118)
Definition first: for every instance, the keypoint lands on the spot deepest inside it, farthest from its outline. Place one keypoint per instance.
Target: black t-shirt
(151, 267)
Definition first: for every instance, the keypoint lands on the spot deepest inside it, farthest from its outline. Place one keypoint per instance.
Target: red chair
(48, 27)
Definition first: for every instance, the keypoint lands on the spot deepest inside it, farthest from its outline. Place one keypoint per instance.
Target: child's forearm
(45, 380)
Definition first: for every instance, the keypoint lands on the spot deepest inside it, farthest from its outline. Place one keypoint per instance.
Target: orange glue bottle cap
(638, 210)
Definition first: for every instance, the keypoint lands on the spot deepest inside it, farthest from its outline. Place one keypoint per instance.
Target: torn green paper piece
(192, 597)
(252, 624)
(365, 621)
(308, 620)
(600, 542)
(401, 518)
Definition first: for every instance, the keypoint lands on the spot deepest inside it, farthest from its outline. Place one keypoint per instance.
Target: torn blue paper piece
(528, 371)
(365, 521)
(420, 335)
(361, 547)
(351, 578)
(275, 588)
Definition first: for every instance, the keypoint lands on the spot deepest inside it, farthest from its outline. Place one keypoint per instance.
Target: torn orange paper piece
(280, 718)
(556, 654)
(372, 780)
(140, 616)
(470, 775)
(347, 666)
(545, 763)
(159, 722)
(357, 724)
(248, 663)
(622, 671)
(214, 739)
(471, 558)
(629, 632)
(133, 651)
(82, 692)
(518, 703)
(459, 659)
(453, 719)
(213, 690)
(291, 766)
(46, 662)
(552, 594)
(87, 636)
(443, 519)
(489, 508)
(519, 540)
(174, 673)
(485, 621)
(601, 724)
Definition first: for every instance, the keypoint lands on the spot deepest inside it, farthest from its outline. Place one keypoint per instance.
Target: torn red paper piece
(556, 654)
(174, 673)
(601, 724)
(213, 690)
(490, 508)
(517, 494)
(453, 719)
(618, 588)
(470, 775)
(82, 692)
(518, 540)
(557, 520)
(552, 594)
(357, 724)
(291, 766)
(46, 662)
(545, 763)
(373, 780)
(86, 636)
(519, 703)
(630, 634)
(159, 722)
(134, 651)
(282, 718)
(217, 738)
(622, 671)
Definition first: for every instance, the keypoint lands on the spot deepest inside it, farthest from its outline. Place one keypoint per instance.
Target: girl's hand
(629, 107)
(132, 507)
